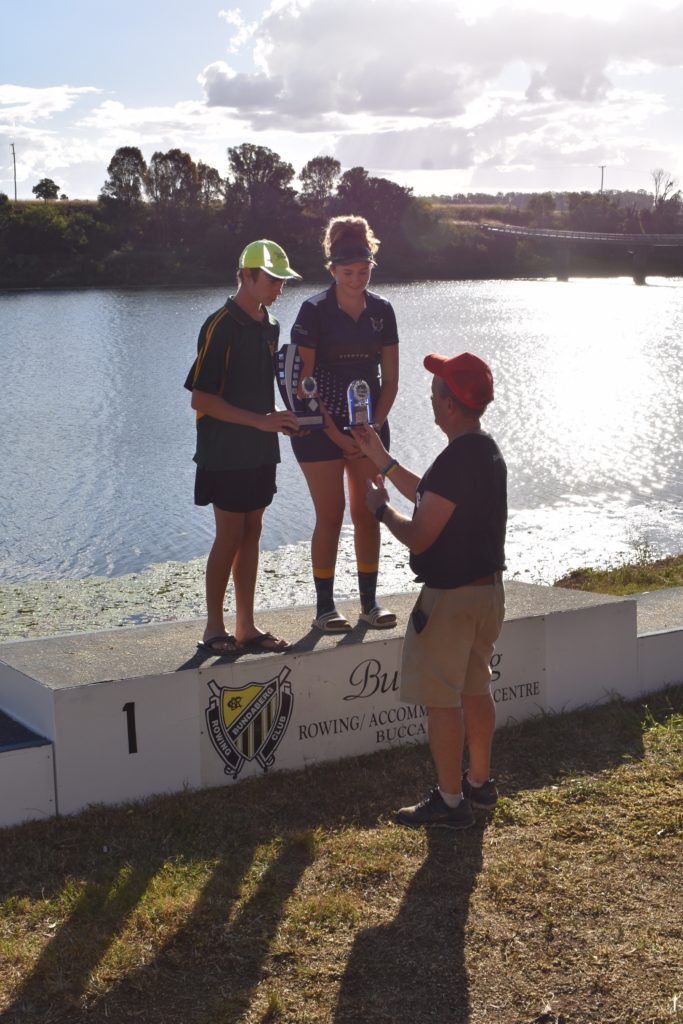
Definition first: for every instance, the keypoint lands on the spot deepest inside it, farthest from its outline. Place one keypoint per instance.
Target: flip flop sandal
(226, 641)
(332, 622)
(266, 642)
(378, 618)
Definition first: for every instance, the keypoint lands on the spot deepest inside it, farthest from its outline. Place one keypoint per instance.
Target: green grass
(643, 573)
(294, 899)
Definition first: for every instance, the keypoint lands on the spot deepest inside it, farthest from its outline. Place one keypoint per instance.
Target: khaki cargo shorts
(449, 643)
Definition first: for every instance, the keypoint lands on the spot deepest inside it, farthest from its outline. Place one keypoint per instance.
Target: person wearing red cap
(237, 452)
(456, 539)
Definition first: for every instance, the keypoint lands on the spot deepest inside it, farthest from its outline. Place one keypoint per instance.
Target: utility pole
(602, 175)
(14, 161)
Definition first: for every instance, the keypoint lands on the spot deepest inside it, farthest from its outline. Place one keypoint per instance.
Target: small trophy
(359, 403)
(287, 373)
(312, 416)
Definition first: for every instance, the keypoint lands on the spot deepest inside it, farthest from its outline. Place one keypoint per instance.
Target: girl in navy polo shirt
(343, 334)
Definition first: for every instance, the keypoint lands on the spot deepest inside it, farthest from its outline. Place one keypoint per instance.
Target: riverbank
(174, 591)
(644, 574)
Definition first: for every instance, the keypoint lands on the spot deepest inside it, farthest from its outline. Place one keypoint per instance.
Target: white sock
(450, 799)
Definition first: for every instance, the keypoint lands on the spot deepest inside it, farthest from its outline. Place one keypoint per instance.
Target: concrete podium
(116, 716)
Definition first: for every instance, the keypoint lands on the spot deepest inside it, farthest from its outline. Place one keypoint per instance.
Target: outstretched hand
(370, 444)
(348, 445)
(376, 493)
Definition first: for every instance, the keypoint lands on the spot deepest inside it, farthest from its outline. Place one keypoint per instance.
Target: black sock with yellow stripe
(367, 586)
(324, 590)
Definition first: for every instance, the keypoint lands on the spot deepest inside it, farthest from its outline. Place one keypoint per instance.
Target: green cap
(270, 257)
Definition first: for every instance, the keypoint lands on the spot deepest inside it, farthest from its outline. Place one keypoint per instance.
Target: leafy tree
(171, 179)
(127, 169)
(259, 173)
(210, 185)
(318, 178)
(666, 213)
(45, 189)
(390, 200)
(541, 207)
(383, 202)
(39, 230)
(664, 186)
(404, 224)
(354, 189)
(590, 211)
(259, 198)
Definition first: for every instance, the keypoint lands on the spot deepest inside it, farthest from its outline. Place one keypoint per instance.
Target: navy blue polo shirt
(345, 349)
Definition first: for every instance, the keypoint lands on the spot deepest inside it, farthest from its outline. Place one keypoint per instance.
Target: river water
(97, 434)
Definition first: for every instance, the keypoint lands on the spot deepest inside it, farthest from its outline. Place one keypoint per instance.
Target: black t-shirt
(345, 349)
(470, 472)
(235, 360)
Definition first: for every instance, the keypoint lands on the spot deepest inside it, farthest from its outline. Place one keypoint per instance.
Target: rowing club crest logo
(247, 723)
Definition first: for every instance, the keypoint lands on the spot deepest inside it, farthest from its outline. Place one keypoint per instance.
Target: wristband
(379, 512)
(389, 468)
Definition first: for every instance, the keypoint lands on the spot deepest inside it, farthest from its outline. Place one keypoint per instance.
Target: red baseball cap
(467, 376)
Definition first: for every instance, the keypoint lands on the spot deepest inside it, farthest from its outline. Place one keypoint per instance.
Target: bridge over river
(638, 246)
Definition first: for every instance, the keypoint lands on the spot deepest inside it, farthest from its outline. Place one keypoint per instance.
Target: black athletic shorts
(317, 447)
(235, 490)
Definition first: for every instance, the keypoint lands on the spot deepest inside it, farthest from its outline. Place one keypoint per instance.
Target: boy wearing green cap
(237, 452)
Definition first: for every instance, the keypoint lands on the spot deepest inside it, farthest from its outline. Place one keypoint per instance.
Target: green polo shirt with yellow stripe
(235, 360)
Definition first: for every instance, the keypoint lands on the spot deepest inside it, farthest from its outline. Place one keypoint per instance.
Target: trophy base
(314, 421)
(366, 423)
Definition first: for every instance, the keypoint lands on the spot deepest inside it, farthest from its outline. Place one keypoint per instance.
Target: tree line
(176, 222)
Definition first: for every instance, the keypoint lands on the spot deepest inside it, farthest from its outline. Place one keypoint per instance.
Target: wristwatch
(379, 512)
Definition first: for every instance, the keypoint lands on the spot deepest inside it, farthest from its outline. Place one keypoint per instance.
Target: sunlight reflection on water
(96, 476)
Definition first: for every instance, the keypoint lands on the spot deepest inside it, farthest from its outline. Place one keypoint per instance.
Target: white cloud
(60, 156)
(21, 105)
(404, 61)
(114, 116)
(606, 10)
(478, 89)
(419, 79)
(244, 29)
(61, 150)
(433, 147)
(226, 88)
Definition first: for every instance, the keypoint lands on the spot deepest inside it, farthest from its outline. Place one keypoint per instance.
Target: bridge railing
(584, 236)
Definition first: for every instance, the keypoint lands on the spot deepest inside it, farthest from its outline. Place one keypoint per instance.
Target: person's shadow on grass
(414, 967)
(128, 946)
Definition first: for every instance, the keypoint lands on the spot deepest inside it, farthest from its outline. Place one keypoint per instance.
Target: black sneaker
(432, 811)
(485, 796)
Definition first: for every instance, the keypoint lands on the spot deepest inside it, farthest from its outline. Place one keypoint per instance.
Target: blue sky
(450, 96)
